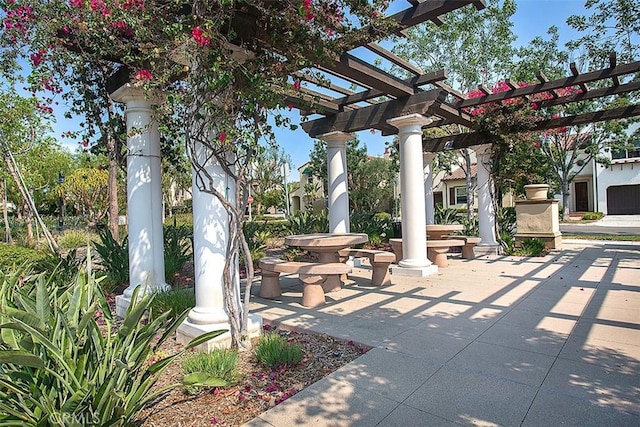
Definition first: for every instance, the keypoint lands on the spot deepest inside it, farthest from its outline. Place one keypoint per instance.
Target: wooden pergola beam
(363, 72)
(374, 116)
(612, 64)
(329, 85)
(451, 114)
(591, 94)
(575, 72)
(429, 10)
(619, 70)
(393, 58)
(432, 78)
(466, 140)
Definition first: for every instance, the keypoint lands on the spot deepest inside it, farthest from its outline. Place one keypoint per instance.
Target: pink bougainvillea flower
(296, 85)
(307, 5)
(200, 37)
(309, 16)
(222, 137)
(214, 420)
(144, 75)
(75, 3)
(85, 143)
(290, 107)
(36, 58)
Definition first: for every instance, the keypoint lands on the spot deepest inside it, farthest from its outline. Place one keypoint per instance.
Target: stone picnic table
(437, 231)
(327, 246)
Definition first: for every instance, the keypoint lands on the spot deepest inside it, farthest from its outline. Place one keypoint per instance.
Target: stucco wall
(621, 172)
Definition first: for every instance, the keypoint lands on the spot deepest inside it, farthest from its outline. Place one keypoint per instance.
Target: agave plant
(62, 362)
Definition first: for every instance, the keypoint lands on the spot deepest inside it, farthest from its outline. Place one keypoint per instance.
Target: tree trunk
(7, 230)
(113, 188)
(565, 200)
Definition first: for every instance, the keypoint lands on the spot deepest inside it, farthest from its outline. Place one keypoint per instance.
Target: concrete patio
(493, 341)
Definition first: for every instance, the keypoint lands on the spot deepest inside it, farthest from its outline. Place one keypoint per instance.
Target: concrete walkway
(494, 341)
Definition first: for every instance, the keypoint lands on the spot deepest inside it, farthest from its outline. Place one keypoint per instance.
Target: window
(630, 153)
(461, 195)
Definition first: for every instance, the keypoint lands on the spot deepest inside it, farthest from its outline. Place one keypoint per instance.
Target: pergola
(382, 100)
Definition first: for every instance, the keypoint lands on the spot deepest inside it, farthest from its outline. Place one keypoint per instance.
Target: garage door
(623, 200)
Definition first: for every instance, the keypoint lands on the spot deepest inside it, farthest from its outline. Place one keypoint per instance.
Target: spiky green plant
(63, 363)
(220, 363)
(274, 351)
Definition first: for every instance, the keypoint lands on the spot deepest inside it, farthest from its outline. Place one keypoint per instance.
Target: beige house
(310, 191)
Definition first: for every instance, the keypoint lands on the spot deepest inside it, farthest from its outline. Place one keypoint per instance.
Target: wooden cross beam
(612, 64)
(466, 140)
(575, 72)
(577, 79)
(374, 116)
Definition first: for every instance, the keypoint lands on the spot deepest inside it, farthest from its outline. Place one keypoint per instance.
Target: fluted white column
(210, 238)
(427, 160)
(144, 196)
(486, 212)
(414, 233)
(338, 185)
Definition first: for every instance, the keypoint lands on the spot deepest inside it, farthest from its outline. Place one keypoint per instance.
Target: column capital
(483, 150)
(336, 138)
(409, 120)
(135, 96)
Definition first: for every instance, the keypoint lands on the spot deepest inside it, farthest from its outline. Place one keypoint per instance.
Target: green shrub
(220, 364)
(445, 215)
(12, 256)
(114, 259)
(62, 364)
(470, 227)
(175, 301)
(592, 216)
(177, 249)
(376, 225)
(75, 238)
(306, 222)
(531, 247)
(274, 351)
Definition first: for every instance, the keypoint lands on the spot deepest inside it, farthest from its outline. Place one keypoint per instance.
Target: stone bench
(311, 274)
(436, 249)
(380, 261)
(470, 242)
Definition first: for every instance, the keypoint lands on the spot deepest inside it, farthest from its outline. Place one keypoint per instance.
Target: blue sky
(532, 18)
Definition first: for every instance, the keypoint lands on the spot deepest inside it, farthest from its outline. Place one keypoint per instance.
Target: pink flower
(296, 85)
(290, 107)
(309, 16)
(222, 137)
(75, 3)
(199, 37)
(307, 5)
(144, 75)
(36, 58)
(85, 143)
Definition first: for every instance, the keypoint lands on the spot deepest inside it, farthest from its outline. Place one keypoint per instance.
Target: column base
(124, 301)
(122, 305)
(414, 271)
(188, 331)
(481, 250)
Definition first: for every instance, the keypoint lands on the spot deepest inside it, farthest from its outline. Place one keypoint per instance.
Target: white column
(486, 212)
(427, 160)
(144, 196)
(210, 237)
(414, 233)
(337, 176)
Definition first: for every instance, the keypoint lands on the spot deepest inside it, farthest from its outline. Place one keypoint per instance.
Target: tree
(22, 144)
(476, 49)
(267, 177)
(613, 26)
(372, 189)
(87, 189)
